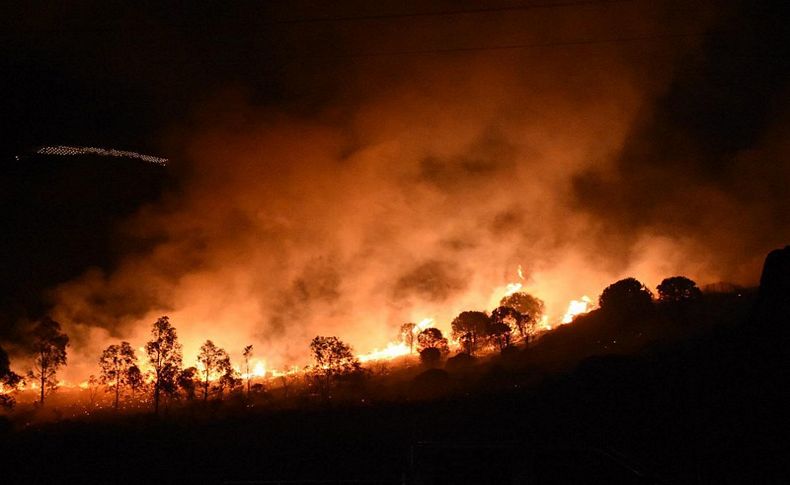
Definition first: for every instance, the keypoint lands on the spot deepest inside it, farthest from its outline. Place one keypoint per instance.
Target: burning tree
(49, 345)
(432, 338)
(333, 358)
(530, 308)
(115, 362)
(164, 355)
(407, 335)
(214, 363)
(9, 380)
(468, 328)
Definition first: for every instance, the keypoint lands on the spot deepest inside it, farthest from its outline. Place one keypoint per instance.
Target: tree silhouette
(213, 362)
(505, 316)
(678, 289)
(333, 358)
(498, 334)
(164, 355)
(626, 298)
(529, 307)
(115, 362)
(247, 354)
(9, 380)
(430, 356)
(468, 327)
(407, 335)
(187, 381)
(49, 347)
(134, 379)
(228, 377)
(432, 338)
(93, 388)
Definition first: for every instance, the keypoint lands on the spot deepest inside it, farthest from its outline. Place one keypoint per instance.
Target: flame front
(577, 307)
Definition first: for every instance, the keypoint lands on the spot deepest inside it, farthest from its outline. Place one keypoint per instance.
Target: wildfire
(511, 288)
(577, 307)
(395, 349)
(391, 351)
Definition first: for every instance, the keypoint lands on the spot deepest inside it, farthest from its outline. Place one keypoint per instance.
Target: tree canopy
(333, 358)
(627, 297)
(214, 363)
(164, 356)
(116, 363)
(530, 307)
(49, 347)
(432, 338)
(468, 327)
(678, 289)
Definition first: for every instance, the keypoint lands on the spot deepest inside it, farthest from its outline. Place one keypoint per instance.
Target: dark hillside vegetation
(691, 396)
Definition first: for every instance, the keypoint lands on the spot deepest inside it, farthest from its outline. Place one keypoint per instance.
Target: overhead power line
(348, 18)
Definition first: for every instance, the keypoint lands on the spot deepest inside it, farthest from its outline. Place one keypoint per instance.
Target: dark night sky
(108, 73)
(703, 160)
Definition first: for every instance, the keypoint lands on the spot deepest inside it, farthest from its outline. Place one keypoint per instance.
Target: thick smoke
(415, 186)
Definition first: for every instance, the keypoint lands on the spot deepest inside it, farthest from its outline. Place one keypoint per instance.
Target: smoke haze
(399, 187)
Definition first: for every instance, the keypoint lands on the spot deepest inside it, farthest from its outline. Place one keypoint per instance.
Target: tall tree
(530, 308)
(407, 334)
(164, 356)
(247, 354)
(49, 347)
(228, 377)
(9, 381)
(212, 360)
(468, 328)
(115, 363)
(333, 358)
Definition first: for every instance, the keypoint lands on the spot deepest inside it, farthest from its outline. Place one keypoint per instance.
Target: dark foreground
(707, 410)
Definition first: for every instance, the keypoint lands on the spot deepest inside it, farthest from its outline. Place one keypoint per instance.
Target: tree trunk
(117, 388)
(156, 396)
(43, 381)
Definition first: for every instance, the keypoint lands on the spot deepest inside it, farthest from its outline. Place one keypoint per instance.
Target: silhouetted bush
(430, 357)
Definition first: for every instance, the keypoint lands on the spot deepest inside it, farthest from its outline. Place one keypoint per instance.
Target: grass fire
(394, 242)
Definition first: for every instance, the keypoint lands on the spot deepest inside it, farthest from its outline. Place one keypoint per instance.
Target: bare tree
(164, 355)
(115, 363)
(49, 345)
